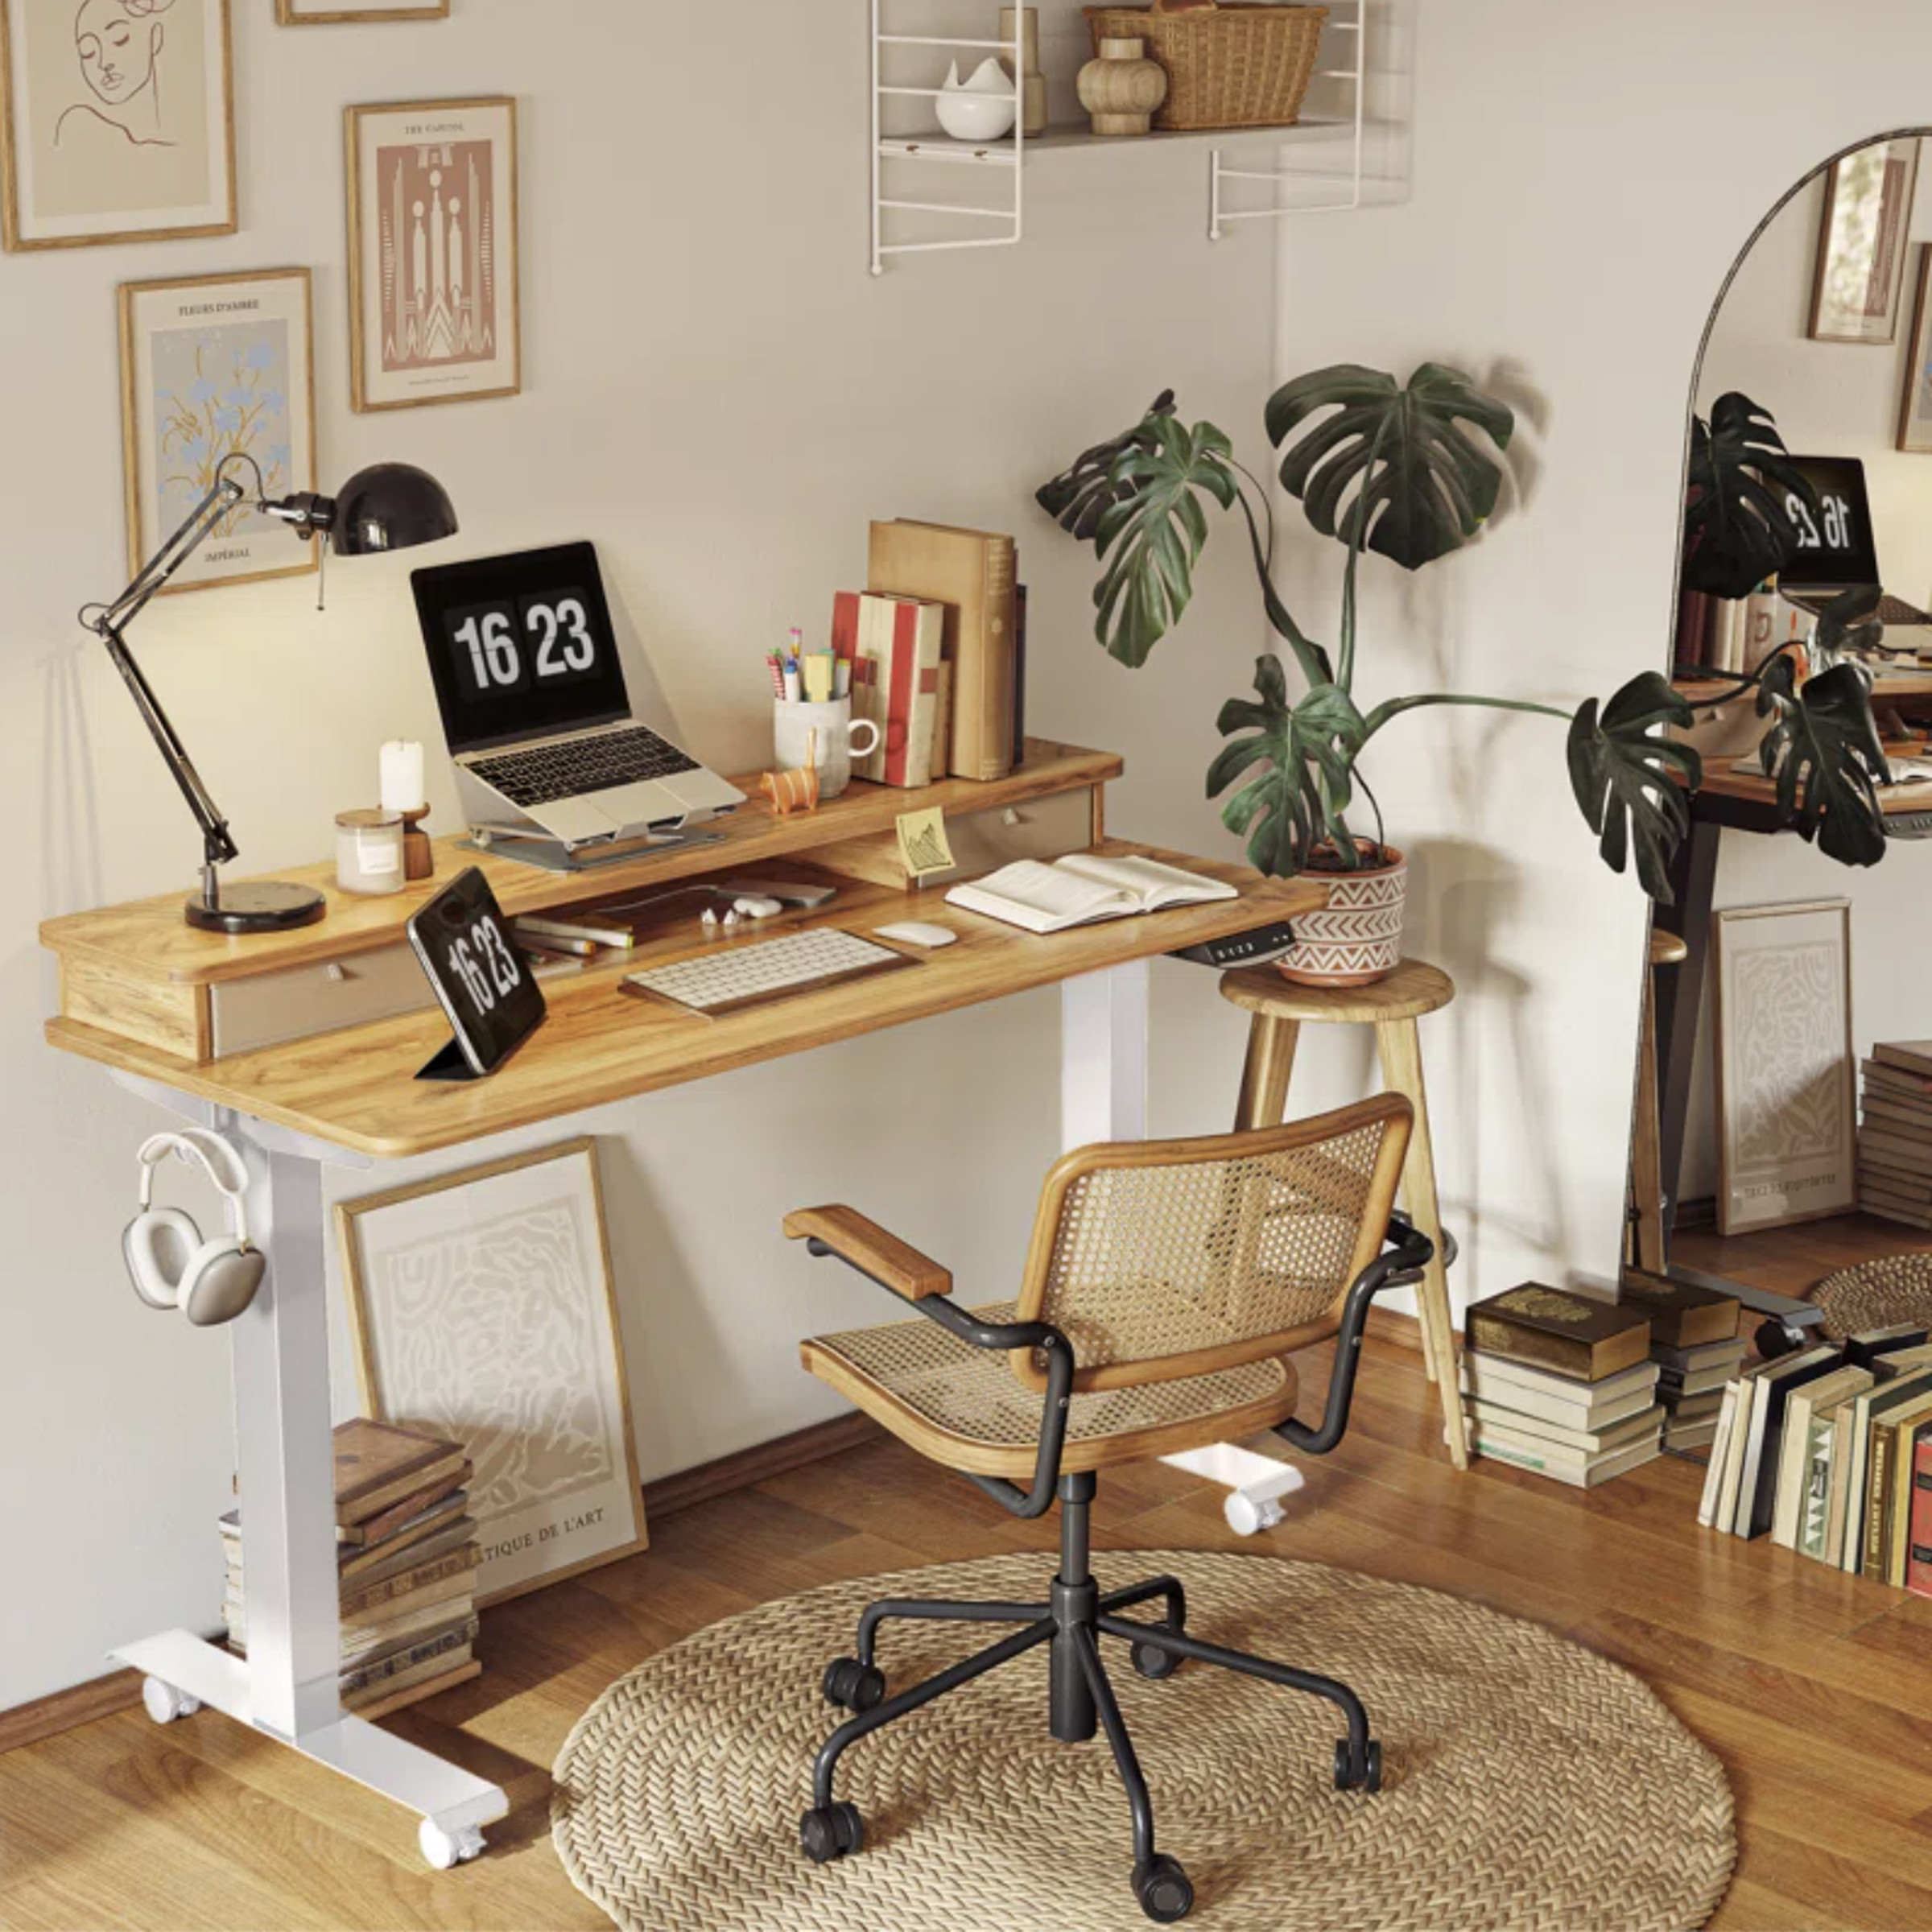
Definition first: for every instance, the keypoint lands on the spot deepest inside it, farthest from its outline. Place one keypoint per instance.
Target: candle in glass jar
(402, 778)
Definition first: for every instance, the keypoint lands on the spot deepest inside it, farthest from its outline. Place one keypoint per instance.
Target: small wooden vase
(418, 854)
(1031, 80)
(1123, 89)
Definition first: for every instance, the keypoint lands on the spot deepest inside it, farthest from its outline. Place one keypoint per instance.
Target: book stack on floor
(1561, 1383)
(1695, 1343)
(405, 1556)
(1895, 1134)
(1829, 1452)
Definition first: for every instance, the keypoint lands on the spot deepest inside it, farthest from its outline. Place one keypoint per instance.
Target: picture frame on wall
(1915, 405)
(215, 367)
(349, 13)
(483, 1310)
(117, 122)
(434, 254)
(1859, 285)
(1786, 1078)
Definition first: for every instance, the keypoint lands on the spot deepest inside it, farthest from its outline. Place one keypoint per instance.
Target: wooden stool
(1281, 1009)
(1650, 1250)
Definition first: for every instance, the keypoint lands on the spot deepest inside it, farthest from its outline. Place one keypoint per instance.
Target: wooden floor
(1793, 1260)
(1813, 1687)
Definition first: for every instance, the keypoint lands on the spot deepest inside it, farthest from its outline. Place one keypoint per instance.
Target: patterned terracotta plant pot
(1358, 939)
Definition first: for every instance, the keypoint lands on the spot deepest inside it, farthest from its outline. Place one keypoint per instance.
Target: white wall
(1838, 399)
(1582, 183)
(719, 395)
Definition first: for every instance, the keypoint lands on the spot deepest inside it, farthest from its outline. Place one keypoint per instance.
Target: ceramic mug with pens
(825, 735)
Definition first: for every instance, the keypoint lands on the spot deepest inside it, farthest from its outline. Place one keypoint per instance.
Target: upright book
(972, 572)
(895, 684)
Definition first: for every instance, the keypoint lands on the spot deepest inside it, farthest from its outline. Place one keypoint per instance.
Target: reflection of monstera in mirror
(118, 43)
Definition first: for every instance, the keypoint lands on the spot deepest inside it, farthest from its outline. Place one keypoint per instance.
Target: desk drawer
(1046, 828)
(305, 1000)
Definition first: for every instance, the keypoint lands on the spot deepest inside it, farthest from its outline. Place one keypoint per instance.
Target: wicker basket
(1239, 66)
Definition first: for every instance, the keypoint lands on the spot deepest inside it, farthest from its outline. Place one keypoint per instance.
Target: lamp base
(263, 908)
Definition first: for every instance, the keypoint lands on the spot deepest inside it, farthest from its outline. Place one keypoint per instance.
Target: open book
(1081, 888)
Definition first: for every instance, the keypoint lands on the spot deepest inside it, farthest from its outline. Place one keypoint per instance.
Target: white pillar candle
(402, 778)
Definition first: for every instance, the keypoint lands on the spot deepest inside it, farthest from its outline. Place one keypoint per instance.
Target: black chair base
(1081, 1701)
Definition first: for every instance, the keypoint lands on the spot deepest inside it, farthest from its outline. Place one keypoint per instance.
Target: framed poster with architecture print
(482, 1310)
(118, 118)
(214, 370)
(1786, 1101)
(349, 13)
(433, 258)
(1861, 246)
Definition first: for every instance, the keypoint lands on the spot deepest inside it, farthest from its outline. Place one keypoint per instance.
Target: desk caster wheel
(1367, 1775)
(1774, 1339)
(1165, 1891)
(447, 1850)
(165, 1704)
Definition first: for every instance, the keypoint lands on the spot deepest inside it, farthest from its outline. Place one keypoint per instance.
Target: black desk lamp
(390, 507)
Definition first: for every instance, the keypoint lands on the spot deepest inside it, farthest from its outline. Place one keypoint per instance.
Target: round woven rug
(1526, 1783)
(1875, 1294)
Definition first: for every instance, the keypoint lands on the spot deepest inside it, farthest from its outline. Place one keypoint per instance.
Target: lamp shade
(391, 506)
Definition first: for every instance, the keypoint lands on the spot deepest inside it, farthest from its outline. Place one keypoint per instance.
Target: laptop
(1838, 550)
(536, 713)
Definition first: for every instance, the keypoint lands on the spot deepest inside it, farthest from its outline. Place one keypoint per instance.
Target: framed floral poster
(433, 253)
(482, 1310)
(1861, 248)
(344, 13)
(118, 118)
(218, 370)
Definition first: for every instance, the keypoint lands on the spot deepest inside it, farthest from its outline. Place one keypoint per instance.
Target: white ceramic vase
(983, 108)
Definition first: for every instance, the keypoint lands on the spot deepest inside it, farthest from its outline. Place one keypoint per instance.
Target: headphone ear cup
(221, 1281)
(159, 1245)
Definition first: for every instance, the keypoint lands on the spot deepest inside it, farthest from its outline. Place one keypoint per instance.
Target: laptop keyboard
(572, 768)
(1896, 610)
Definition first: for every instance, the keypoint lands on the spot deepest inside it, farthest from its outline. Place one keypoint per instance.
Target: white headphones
(171, 1266)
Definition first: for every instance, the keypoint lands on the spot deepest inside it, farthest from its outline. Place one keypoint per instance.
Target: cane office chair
(1166, 1285)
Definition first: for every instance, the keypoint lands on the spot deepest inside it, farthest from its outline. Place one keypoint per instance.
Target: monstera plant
(1411, 474)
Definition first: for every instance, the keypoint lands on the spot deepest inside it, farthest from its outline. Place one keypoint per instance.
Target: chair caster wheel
(832, 1832)
(1153, 1662)
(1365, 1777)
(854, 1686)
(165, 1704)
(1163, 1888)
(447, 1850)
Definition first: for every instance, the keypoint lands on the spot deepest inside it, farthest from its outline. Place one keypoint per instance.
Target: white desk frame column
(286, 1687)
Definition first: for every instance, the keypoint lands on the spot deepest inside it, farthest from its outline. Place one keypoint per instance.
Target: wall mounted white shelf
(1338, 190)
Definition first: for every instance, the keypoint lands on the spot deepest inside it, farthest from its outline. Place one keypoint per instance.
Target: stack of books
(1895, 1134)
(1695, 1343)
(405, 1556)
(1561, 1383)
(1829, 1452)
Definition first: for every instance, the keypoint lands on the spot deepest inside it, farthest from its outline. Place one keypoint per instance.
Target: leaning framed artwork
(218, 370)
(1786, 1100)
(1859, 285)
(433, 253)
(117, 122)
(345, 13)
(482, 1309)
(1915, 407)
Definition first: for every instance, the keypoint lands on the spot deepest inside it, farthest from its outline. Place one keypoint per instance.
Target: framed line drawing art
(1861, 247)
(433, 253)
(346, 13)
(1915, 407)
(214, 368)
(481, 1308)
(1786, 1100)
(119, 119)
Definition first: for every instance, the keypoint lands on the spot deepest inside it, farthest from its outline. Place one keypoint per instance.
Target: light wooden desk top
(1754, 788)
(356, 1088)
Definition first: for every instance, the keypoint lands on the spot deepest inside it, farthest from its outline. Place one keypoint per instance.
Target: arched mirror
(1782, 1139)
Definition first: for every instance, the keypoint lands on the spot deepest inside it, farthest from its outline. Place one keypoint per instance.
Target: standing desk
(156, 1003)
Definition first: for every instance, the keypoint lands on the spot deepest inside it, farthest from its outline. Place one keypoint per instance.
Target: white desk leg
(1104, 1025)
(287, 1689)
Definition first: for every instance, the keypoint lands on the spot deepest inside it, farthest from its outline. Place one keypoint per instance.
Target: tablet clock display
(463, 941)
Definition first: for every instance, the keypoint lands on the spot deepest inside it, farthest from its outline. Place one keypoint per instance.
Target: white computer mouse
(913, 933)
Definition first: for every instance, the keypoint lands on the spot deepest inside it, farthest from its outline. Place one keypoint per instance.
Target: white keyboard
(731, 976)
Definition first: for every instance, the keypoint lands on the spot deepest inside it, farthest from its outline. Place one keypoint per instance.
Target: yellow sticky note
(923, 843)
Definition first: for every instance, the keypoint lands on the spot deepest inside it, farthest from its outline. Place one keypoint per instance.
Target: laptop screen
(521, 646)
(1835, 546)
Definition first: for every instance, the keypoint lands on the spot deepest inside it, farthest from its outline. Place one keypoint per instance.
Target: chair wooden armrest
(868, 1247)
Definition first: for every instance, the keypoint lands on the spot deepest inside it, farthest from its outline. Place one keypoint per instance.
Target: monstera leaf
(1078, 497)
(1391, 467)
(1624, 778)
(1738, 528)
(1286, 810)
(1823, 751)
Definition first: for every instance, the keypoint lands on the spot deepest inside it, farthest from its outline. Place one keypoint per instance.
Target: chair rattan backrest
(1167, 1258)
